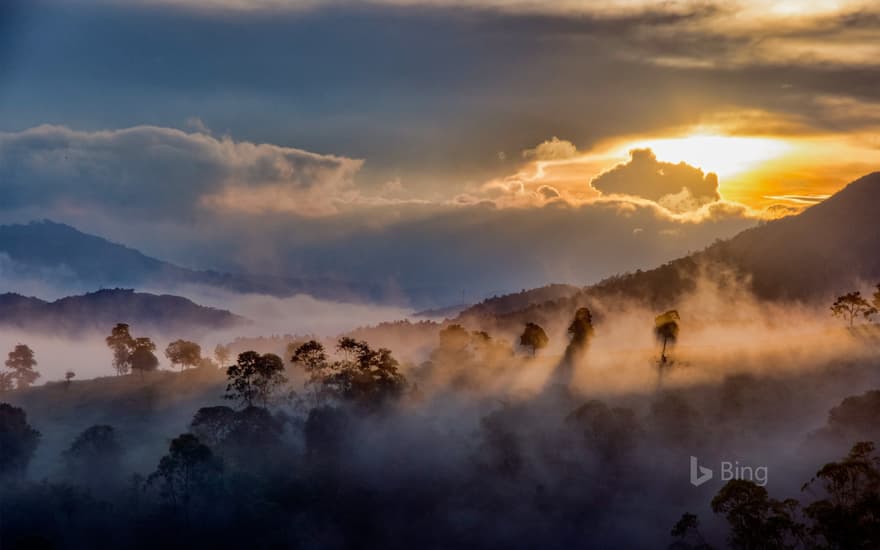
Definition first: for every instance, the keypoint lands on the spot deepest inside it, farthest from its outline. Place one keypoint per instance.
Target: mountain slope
(826, 250)
(66, 256)
(165, 314)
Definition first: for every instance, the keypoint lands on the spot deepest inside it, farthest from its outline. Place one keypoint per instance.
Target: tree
(454, 337)
(212, 425)
(876, 298)
(95, 456)
(6, 382)
(852, 305)
(756, 520)
(687, 531)
(581, 328)
(18, 441)
(580, 332)
(313, 358)
(184, 353)
(534, 337)
(121, 342)
(254, 378)
(142, 358)
(666, 331)
(849, 515)
(189, 470)
(364, 376)
(21, 361)
(221, 353)
(68, 377)
(369, 378)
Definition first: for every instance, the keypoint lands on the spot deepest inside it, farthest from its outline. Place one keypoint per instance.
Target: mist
(518, 448)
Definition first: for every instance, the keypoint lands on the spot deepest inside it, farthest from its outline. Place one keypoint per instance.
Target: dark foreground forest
(486, 444)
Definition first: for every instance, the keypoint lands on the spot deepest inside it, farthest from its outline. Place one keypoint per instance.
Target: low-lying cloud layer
(157, 173)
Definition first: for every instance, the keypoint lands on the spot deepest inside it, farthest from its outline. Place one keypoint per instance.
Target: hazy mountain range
(62, 255)
(101, 310)
(829, 248)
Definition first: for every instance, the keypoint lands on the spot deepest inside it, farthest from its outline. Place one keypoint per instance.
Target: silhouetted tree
(18, 441)
(121, 342)
(580, 332)
(68, 378)
(222, 353)
(611, 432)
(6, 382)
(666, 330)
(313, 358)
(95, 456)
(247, 439)
(369, 378)
(365, 376)
(454, 337)
(852, 305)
(213, 424)
(184, 353)
(21, 361)
(189, 470)
(757, 521)
(534, 337)
(581, 329)
(876, 298)
(142, 358)
(254, 378)
(849, 515)
(687, 531)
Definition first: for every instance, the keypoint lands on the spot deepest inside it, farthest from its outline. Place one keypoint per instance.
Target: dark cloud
(159, 173)
(409, 87)
(680, 187)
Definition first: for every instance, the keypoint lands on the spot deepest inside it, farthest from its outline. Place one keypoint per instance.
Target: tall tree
(534, 337)
(254, 378)
(363, 376)
(121, 342)
(221, 353)
(18, 441)
(581, 328)
(95, 456)
(666, 330)
(876, 297)
(849, 514)
(852, 305)
(313, 359)
(189, 471)
(756, 520)
(68, 378)
(6, 382)
(22, 362)
(143, 359)
(184, 353)
(368, 378)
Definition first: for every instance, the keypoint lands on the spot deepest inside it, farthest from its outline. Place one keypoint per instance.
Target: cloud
(552, 149)
(548, 192)
(155, 173)
(678, 187)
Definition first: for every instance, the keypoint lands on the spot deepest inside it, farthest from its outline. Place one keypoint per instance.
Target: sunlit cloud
(723, 155)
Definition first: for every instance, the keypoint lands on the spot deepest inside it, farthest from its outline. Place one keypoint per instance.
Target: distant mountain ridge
(101, 310)
(827, 250)
(46, 248)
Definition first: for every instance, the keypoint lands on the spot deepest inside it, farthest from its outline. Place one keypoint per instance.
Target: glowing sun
(724, 155)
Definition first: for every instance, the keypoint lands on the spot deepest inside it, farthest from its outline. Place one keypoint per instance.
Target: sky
(441, 148)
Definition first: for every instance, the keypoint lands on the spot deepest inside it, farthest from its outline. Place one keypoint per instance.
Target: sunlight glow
(724, 155)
